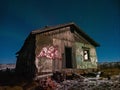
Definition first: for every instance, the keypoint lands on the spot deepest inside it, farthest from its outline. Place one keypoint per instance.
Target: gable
(61, 28)
(79, 38)
(81, 34)
(61, 33)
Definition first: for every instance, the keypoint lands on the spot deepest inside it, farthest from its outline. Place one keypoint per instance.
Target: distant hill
(5, 66)
(105, 65)
(101, 65)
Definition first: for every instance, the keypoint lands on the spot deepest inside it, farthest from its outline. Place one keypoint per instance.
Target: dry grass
(110, 72)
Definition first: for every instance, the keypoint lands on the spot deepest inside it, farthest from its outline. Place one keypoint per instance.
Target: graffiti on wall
(50, 52)
(44, 60)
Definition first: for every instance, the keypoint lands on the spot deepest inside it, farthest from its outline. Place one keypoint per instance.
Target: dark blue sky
(100, 19)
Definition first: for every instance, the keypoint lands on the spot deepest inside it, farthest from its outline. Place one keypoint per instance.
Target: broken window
(86, 54)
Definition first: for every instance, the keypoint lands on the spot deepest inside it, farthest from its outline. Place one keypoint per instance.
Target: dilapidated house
(56, 48)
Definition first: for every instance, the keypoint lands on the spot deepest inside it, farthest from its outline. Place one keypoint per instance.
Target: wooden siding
(65, 38)
(81, 63)
(61, 38)
(25, 65)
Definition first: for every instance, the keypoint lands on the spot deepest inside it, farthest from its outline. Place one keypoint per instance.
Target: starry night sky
(100, 19)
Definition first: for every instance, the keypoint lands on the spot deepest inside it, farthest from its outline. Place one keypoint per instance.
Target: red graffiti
(50, 52)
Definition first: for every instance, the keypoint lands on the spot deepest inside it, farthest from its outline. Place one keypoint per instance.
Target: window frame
(86, 50)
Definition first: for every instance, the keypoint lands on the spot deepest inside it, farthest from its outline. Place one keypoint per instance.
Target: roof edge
(78, 29)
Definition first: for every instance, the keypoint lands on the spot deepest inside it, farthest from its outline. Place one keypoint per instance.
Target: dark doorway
(68, 57)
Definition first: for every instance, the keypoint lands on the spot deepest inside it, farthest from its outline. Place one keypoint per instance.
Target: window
(86, 54)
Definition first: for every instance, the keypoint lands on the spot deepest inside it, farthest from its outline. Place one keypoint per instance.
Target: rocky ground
(81, 83)
(91, 84)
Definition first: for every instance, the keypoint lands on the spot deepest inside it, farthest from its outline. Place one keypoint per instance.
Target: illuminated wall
(46, 60)
(79, 55)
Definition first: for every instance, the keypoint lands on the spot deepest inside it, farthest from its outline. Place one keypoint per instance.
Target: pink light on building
(50, 52)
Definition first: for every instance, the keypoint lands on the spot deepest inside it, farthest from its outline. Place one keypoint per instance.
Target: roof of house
(52, 28)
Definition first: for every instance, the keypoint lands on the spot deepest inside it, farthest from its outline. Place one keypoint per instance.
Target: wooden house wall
(81, 42)
(79, 38)
(25, 60)
(61, 38)
(65, 38)
(81, 63)
(43, 64)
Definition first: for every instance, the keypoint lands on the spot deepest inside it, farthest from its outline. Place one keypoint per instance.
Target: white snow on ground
(90, 84)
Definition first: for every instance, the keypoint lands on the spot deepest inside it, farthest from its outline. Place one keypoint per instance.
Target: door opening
(68, 57)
